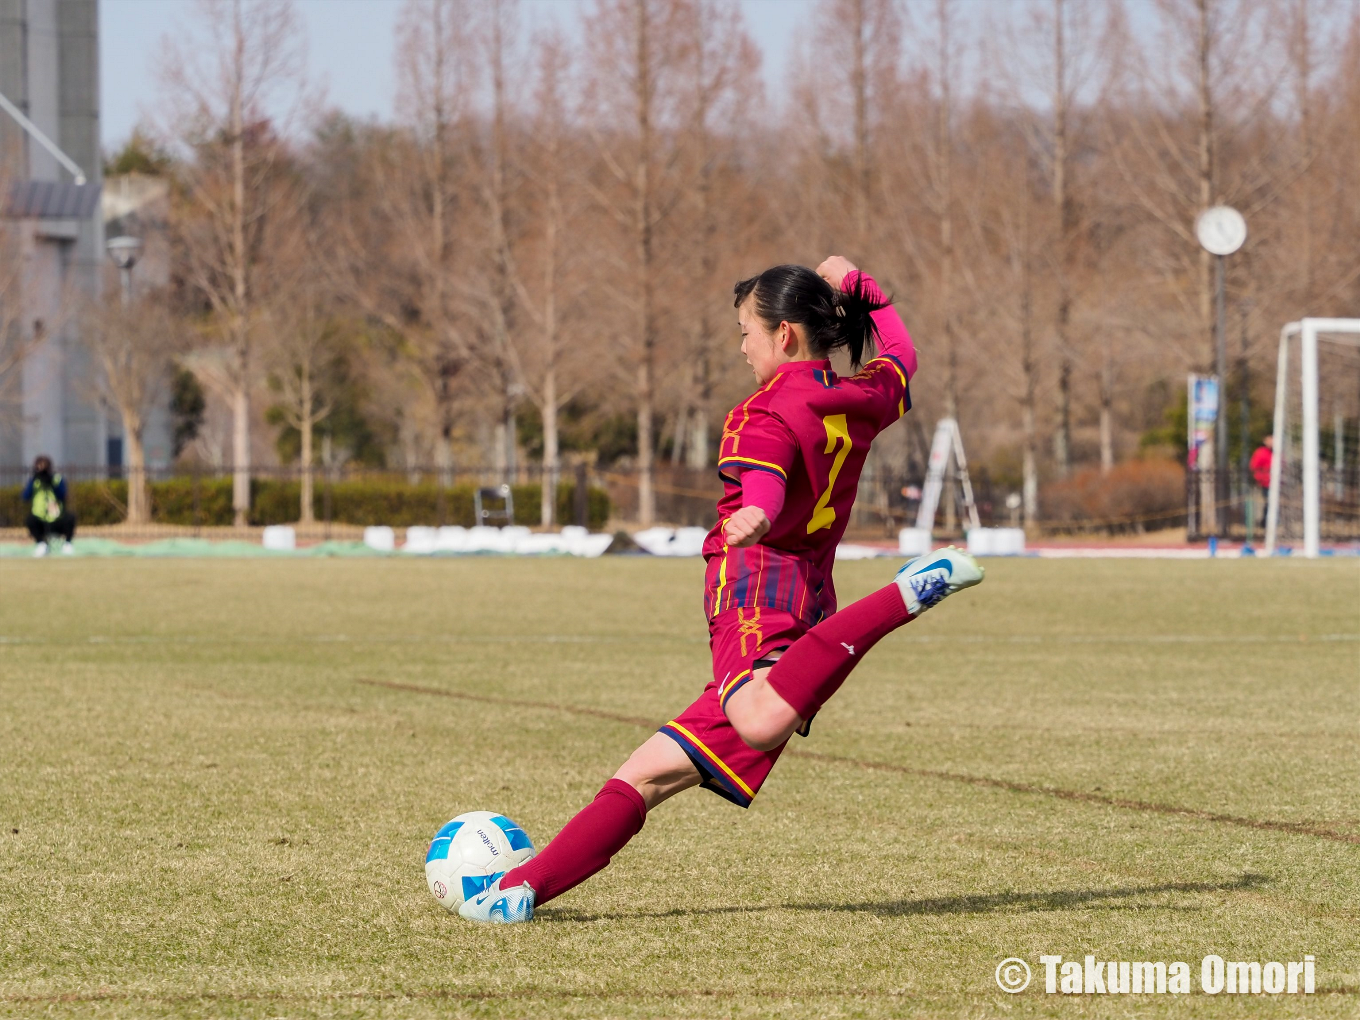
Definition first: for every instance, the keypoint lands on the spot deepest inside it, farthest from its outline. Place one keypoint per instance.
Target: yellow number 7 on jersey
(836, 430)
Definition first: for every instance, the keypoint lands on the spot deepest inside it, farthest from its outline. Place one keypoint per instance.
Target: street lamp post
(124, 252)
(1221, 231)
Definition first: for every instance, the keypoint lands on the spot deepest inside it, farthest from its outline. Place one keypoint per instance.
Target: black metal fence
(1234, 506)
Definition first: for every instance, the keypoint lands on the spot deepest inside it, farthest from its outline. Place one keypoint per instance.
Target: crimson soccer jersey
(813, 429)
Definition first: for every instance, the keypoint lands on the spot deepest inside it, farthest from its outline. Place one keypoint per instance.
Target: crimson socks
(817, 663)
(585, 845)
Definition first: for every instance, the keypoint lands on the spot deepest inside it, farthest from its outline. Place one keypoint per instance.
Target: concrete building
(49, 70)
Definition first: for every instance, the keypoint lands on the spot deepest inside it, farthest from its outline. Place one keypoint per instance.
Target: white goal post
(1306, 331)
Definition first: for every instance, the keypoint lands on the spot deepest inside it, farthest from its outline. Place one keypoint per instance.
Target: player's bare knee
(758, 728)
(764, 738)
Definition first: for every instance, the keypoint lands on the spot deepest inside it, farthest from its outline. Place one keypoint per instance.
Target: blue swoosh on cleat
(938, 563)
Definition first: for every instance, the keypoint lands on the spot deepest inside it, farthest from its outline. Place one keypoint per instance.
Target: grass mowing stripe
(1295, 828)
(611, 639)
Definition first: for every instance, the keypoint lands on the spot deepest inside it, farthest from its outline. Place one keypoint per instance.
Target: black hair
(42, 466)
(831, 318)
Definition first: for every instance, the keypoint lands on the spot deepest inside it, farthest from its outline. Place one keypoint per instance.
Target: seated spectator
(47, 515)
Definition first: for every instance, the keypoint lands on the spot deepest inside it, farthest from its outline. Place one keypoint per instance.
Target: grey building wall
(49, 68)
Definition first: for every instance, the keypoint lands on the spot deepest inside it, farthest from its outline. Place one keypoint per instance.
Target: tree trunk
(1062, 442)
(240, 453)
(859, 81)
(240, 489)
(306, 513)
(1106, 436)
(1029, 468)
(548, 502)
(498, 465)
(1062, 439)
(504, 292)
(138, 491)
(510, 436)
(679, 434)
(409, 452)
(696, 454)
(443, 459)
(643, 225)
(1303, 76)
(1028, 409)
(1106, 412)
(945, 185)
(646, 492)
(696, 441)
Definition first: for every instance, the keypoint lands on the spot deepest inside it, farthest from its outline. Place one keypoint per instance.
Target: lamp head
(124, 251)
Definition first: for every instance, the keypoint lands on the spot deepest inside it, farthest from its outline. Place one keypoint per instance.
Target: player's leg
(773, 705)
(658, 770)
(697, 747)
(655, 772)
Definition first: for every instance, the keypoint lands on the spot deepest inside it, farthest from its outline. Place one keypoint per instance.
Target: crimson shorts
(739, 638)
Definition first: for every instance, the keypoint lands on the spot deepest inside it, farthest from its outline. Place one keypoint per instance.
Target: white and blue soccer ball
(472, 851)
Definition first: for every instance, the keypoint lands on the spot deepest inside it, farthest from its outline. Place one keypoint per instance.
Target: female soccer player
(790, 461)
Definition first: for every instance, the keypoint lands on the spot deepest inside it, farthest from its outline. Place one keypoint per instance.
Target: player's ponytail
(831, 319)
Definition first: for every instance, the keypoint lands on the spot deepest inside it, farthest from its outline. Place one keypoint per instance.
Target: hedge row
(207, 501)
(1133, 496)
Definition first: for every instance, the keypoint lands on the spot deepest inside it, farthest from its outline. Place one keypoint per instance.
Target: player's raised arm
(892, 337)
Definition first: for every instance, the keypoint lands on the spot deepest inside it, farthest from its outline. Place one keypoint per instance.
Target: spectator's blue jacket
(59, 488)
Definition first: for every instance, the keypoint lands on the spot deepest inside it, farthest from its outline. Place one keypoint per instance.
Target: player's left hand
(746, 527)
(835, 269)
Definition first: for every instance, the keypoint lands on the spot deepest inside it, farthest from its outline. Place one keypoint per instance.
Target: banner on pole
(1202, 394)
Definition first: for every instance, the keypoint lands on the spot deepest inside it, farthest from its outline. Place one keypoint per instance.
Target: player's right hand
(835, 269)
(746, 527)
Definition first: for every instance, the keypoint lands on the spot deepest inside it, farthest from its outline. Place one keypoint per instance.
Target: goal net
(1314, 493)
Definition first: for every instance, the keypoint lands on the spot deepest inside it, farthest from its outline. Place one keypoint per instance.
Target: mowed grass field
(218, 780)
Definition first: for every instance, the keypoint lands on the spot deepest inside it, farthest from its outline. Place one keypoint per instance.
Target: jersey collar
(824, 365)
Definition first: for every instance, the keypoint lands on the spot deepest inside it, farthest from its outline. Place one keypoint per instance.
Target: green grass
(216, 817)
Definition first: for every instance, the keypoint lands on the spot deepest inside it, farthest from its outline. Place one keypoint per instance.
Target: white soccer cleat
(500, 906)
(67, 549)
(40, 549)
(927, 579)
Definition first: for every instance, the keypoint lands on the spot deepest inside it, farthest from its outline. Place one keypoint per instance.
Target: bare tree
(133, 342)
(1205, 88)
(397, 251)
(942, 192)
(719, 91)
(302, 340)
(1059, 52)
(548, 165)
(505, 161)
(221, 81)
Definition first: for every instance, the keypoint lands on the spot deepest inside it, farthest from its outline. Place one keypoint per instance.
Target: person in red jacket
(1260, 471)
